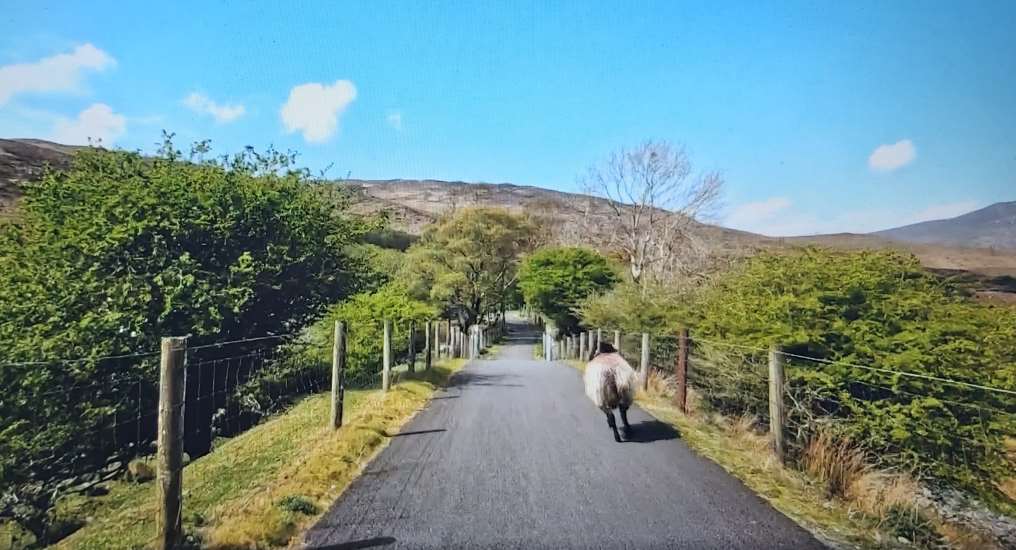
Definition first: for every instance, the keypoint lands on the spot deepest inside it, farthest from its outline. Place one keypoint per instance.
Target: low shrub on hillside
(864, 318)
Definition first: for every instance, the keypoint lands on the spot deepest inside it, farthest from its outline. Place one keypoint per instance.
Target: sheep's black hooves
(627, 432)
(618, 438)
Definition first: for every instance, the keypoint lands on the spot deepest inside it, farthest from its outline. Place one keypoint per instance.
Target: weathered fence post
(169, 462)
(412, 346)
(582, 346)
(617, 340)
(644, 363)
(451, 344)
(428, 344)
(599, 338)
(386, 357)
(338, 372)
(681, 371)
(776, 410)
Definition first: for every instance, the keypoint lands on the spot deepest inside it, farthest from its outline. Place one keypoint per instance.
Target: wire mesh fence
(934, 425)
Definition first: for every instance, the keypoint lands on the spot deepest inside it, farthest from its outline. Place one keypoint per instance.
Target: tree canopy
(556, 280)
(467, 262)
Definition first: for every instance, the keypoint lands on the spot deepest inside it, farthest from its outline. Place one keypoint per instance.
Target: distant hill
(412, 204)
(990, 227)
(22, 160)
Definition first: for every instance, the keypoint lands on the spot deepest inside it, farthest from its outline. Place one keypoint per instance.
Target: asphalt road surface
(513, 455)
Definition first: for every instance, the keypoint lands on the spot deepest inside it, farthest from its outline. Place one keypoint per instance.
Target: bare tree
(653, 201)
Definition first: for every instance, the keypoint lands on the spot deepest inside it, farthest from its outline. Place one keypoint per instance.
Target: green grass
(232, 496)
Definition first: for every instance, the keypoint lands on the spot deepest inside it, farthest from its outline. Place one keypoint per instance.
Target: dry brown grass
(834, 462)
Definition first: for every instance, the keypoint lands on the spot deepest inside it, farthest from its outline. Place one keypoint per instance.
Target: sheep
(610, 383)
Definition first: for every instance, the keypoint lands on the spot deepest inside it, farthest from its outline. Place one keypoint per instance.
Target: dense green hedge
(120, 250)
(878, 309)
(364, 314)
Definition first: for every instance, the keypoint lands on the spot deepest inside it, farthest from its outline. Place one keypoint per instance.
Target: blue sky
(822, 117)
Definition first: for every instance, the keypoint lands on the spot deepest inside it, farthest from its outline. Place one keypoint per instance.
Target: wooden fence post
(386, 359)
(169, 462)
(428, 343)
(682, 370)
(776, 410)
(644, 363)
(412, 346)
(338, 372)
(451, 344)
(599, 338)
(617, 340)
(582, 346)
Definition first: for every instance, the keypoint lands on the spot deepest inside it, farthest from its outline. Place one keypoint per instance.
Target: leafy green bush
(364, 314)
(555, 280)
(114, 253)
(873, 309)
(880, 309)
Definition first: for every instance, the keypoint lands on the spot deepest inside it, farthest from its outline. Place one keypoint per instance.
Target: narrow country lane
(513, 455)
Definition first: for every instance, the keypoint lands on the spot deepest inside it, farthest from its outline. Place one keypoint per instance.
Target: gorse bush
(114, 253)
(877, 309)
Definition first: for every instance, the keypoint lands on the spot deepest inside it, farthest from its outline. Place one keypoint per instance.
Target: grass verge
(263, 487)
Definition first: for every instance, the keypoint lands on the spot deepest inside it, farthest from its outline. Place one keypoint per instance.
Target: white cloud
(394, 119)
(886, 158)
(202, 104)
(941, 212)
(777, 217)
(97, 122)
(750, 215)
(58, 73)
(314, 109)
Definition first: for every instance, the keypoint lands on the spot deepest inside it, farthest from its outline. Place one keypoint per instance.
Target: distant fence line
(760, 382)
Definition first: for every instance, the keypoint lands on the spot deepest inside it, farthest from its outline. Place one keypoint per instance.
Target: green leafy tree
(556, 280)
(467, 262)
(107, 257)
(364, 314)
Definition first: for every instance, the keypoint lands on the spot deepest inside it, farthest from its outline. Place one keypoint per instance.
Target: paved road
(513, 455)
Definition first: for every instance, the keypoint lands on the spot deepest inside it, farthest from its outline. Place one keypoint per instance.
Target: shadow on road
(420, 432)
(365, 543)
(471, 378)
(648, 431)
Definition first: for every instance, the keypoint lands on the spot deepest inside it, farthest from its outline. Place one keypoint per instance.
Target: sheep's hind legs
(613, 424)
(624, 420)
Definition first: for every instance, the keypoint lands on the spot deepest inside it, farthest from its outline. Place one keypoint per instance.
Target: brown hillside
(412, 204)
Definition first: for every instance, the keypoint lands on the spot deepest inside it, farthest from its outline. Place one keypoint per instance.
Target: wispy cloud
(889, 157)
(202, 104)
(313, 109)
(394, 119)
(97, 123)
(777, 217)
(751, 214)
(58, 73)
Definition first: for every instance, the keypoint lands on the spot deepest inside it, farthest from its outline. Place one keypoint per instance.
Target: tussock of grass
(232, 496)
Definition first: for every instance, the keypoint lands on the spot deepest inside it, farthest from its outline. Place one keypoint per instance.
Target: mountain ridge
(414, 203)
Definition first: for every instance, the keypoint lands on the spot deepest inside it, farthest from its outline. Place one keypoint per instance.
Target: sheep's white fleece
(603, 369)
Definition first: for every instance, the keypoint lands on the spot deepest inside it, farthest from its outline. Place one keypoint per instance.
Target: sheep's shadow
(649, 431)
